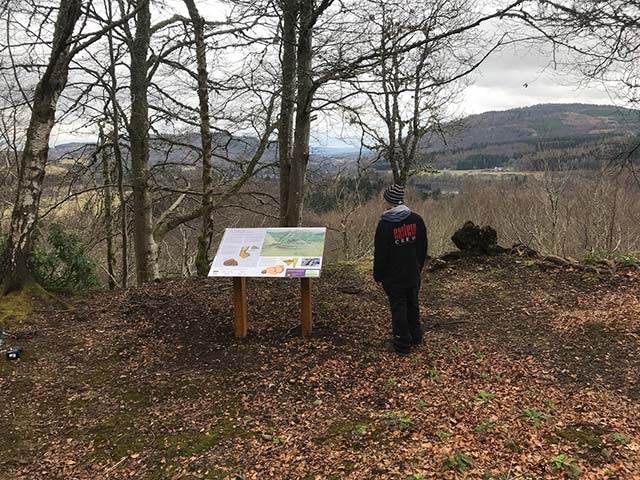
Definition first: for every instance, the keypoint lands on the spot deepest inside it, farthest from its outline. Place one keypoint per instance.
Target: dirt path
(524, 374)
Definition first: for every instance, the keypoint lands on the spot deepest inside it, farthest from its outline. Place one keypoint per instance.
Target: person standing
(400, 251)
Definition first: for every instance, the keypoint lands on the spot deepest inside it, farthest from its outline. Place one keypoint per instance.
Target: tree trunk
(204, 241)
(108, 211)
(287, 107)
(117, 154)
(304, 99)
(145, 246)
(24, 217)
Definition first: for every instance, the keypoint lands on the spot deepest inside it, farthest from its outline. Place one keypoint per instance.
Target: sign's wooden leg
(305, 284)
(240, 306)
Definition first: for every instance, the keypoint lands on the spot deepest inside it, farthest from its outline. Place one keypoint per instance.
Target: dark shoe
(389, 346)
(416, 341)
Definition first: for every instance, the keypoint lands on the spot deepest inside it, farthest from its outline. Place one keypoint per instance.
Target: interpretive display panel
(270, 252)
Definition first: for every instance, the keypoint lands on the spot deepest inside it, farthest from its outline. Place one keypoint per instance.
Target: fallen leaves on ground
(523, 374)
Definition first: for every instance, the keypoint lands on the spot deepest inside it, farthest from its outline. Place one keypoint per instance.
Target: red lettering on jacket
(404, 232)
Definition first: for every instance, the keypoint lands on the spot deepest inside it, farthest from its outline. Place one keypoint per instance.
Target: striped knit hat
(394, 194)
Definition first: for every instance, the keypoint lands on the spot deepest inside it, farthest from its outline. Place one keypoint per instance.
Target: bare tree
(107, 199)
(298, 88)
(604, 34)
(598, 39)
(34, 156)
(43, 103)
(204, 240)
(334, 43)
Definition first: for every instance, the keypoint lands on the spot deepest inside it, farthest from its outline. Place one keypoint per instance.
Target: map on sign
(270, 252)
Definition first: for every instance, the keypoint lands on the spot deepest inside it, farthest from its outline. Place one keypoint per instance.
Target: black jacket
(400, 249)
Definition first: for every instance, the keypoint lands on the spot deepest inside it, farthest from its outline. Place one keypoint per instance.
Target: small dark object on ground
(479, 240)
(23, 335)
(14, 353)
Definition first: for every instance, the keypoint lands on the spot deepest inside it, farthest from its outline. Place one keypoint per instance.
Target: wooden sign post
(278, 252)
(240, 307)
(305, 292)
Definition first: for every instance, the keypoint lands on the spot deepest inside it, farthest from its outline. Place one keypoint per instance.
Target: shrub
(62, 264)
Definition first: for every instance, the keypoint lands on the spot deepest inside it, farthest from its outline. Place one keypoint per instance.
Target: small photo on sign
(310, 262)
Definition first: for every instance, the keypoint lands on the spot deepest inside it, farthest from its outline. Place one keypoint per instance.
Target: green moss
(344, 427)
(590, 437)
(601, 330)
(359, 267)
(585, 435)
(117, 436)
(189, 443)
(186, 444)
(356, 430)
(16, 307)
(135, 399)
(16, 444)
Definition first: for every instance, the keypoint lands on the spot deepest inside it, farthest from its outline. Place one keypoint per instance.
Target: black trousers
(405, 316)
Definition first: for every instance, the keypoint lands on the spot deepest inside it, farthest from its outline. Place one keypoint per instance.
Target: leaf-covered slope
(523, 373)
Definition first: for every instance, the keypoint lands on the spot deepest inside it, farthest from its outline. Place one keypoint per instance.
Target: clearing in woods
(524, 373)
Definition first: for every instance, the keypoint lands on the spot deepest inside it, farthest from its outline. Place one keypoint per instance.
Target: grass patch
(619, 438)
(536, 415)
(398, 420)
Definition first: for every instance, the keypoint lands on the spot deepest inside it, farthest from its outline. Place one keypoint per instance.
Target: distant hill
(184, 150)
(522, 136)
(521, 139)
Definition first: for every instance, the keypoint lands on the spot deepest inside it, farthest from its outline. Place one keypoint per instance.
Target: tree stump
(478, 240)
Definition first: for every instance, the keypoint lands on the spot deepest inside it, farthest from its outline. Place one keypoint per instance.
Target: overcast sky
(514, 77)
(523, 77)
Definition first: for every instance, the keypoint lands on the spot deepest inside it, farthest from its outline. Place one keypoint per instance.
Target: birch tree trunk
(24, 217)
(204, 241)
(146, 250)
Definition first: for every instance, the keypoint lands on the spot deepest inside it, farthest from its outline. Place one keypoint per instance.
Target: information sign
(270, 252)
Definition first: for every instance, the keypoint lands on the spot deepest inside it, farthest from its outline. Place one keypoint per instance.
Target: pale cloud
(520, 77)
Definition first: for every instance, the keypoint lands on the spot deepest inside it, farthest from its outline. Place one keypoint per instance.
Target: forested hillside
(523, 138)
